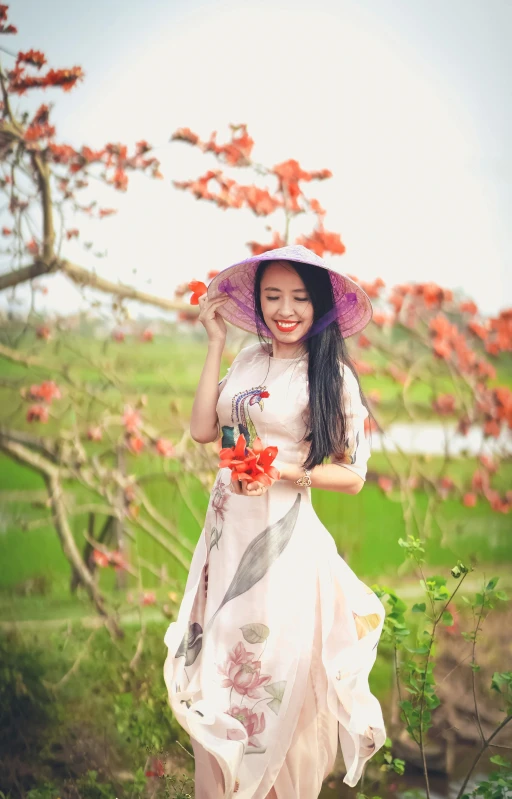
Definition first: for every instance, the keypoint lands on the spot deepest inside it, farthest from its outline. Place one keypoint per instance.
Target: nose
(286, 310)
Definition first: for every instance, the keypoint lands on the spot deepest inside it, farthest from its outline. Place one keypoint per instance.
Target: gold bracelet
(306, 480)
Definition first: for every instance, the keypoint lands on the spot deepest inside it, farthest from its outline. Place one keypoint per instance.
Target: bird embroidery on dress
(241, 418)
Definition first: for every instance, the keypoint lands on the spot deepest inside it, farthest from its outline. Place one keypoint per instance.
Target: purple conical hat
(352, 306)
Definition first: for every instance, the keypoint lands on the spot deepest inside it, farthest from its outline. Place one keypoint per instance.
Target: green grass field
(366, 527)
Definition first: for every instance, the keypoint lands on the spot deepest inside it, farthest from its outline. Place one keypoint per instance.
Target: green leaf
(419, 607)
(447, 618)
(255, 633)
(260, 555)
(491, 585)
(276, 690)
(498, 760)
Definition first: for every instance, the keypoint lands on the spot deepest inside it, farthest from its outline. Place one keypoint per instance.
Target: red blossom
(118, 335)
(6, 231)
(147, 335)
(488, 463)
(43, 331)
(95, 433)
(118, 560)
(250, 464)
(258, 249)
(33, 57)
(364, 368)
(469, 500)
(131, 419)
(380, 319)
(46, 391)
(468, 307)
(64, 78)
(148, 598)
(441, 348)
(364, 342)
(32, 247)
(3, 18)
(446, 483)
(480, 331)
(492, 428)
(480, 482)
(370, 426)
(385, 484)
(164, 447)
(198, 289)
(444, 404)
(185, 134)
(135, 444)
(322, 241)
(157, 769)
(212, 273)
(38, 413)
(373, 289)
(35, 132)
(101, 559)
(316, 208)
(453, 628)
(397, 374)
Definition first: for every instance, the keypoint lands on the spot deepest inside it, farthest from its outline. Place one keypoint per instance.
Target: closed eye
(299, 299)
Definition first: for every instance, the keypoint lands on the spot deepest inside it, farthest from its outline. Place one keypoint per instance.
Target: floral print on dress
(242, 675)
(219, 503)
(242, 672)
(254, 724)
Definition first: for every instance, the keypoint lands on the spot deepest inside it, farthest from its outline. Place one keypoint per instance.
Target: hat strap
(227, 288)
(348, 300)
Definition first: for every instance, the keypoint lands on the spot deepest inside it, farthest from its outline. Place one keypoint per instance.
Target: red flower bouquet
(251, 464)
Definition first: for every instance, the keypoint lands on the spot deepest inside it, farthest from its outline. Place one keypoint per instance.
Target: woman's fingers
(248, 489)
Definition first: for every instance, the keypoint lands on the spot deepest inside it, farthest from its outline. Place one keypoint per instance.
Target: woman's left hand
(248, 488)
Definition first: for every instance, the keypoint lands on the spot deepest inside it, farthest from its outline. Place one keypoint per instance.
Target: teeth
(286, 324)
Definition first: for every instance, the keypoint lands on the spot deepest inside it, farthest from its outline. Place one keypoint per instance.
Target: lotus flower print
(254, 723)
(220, 498)
(243, 673)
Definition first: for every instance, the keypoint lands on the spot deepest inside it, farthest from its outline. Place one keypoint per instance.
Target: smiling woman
(268, 661)
(285, 306)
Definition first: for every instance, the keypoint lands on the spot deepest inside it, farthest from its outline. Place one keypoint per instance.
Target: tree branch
(52, 475)
(26, 273)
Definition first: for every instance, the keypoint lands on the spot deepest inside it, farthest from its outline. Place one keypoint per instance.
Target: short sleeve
(357, 447)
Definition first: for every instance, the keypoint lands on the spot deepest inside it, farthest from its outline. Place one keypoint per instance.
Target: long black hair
(327, 427)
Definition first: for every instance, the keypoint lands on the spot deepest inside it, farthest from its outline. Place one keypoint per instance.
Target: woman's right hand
(212, 321)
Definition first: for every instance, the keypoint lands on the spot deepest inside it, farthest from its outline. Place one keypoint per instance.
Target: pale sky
(408, 103)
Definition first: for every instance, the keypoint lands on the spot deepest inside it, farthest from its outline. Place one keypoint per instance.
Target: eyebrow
(273, 288)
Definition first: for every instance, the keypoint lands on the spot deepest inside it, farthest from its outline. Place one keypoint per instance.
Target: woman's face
(287, 308)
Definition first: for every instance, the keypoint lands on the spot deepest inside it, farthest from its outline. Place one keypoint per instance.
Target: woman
(269, 659)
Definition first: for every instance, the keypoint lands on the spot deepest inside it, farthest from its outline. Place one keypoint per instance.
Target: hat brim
(353, 316)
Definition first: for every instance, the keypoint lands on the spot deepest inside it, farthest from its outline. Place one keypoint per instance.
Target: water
(434, 438)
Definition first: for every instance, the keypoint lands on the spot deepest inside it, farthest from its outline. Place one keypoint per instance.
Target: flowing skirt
(268, 661)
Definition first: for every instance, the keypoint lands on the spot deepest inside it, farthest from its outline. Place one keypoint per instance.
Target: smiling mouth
(286, 327)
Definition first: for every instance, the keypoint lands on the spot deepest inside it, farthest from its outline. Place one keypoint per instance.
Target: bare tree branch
(25, 273)
(52, 476)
